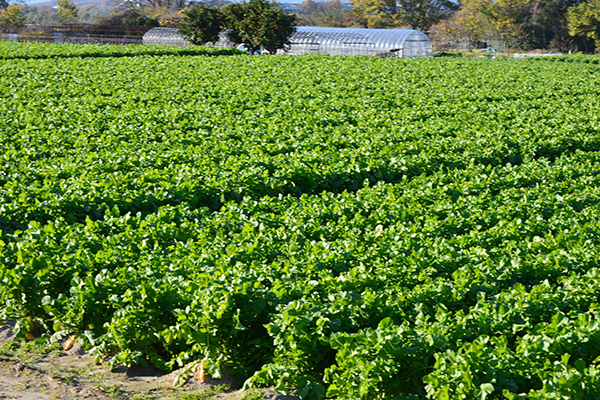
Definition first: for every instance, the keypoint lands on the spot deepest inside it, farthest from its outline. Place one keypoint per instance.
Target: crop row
(36, 50)
(349, 227)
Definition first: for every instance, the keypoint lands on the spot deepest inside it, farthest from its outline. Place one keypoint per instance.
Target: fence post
(58, 37)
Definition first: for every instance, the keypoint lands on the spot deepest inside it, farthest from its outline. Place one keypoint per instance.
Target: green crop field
(351, 227)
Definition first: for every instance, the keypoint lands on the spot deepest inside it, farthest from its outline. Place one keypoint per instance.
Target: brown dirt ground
(72, 375)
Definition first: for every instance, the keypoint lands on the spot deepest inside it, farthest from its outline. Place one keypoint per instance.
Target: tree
(130, 17)
(554, 20)
(202, 24)
(525, 24)
(584, 20)
(67, 12)
(468, 24)
(11, 17)
(532, 23)
(325, 13)
(259, 24)
(422, 14)
(376, 13)
(166, 12)
(417, 14)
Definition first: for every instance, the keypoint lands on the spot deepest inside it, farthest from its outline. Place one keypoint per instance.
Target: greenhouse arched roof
(360, 41)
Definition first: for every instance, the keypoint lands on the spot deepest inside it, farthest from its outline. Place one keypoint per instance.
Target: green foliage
(586, 59)
(416, 14)
(67, 12)
(206, 394)
(8, 347)
(369, 361)
(113, 391)
(130, 17)
(330, 13)
(28, 352)
(259, 24)
(348, 227)
(144, 397)
(253, 395)
(522, 24)
(142, 20)
(11, 17)
(34, 50)
(584, 20)
(202, 24)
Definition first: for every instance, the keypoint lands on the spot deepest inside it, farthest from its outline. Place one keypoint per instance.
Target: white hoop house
(335, 41)
(357, 41)
(164, 36)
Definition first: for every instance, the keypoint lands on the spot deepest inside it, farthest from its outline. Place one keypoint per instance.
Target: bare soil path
(28, 373)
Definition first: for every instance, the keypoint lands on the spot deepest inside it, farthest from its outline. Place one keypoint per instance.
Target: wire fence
(489, 46)
(78, 33)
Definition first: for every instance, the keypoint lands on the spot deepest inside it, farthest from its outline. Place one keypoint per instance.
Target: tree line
(526, 24)
(560, 25)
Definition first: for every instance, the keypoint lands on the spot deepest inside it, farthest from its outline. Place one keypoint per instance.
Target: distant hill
(79, 3)
(43, 12)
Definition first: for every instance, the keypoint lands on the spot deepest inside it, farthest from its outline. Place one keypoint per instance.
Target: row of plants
(349, 227)
(36, 50)
(582, 59)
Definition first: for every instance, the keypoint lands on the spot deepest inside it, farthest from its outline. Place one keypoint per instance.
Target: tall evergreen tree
(259, 24)
(202, 24)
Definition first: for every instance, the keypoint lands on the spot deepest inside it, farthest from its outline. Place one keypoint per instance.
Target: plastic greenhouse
(357, 41)
(335, 41)
(164, 36)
